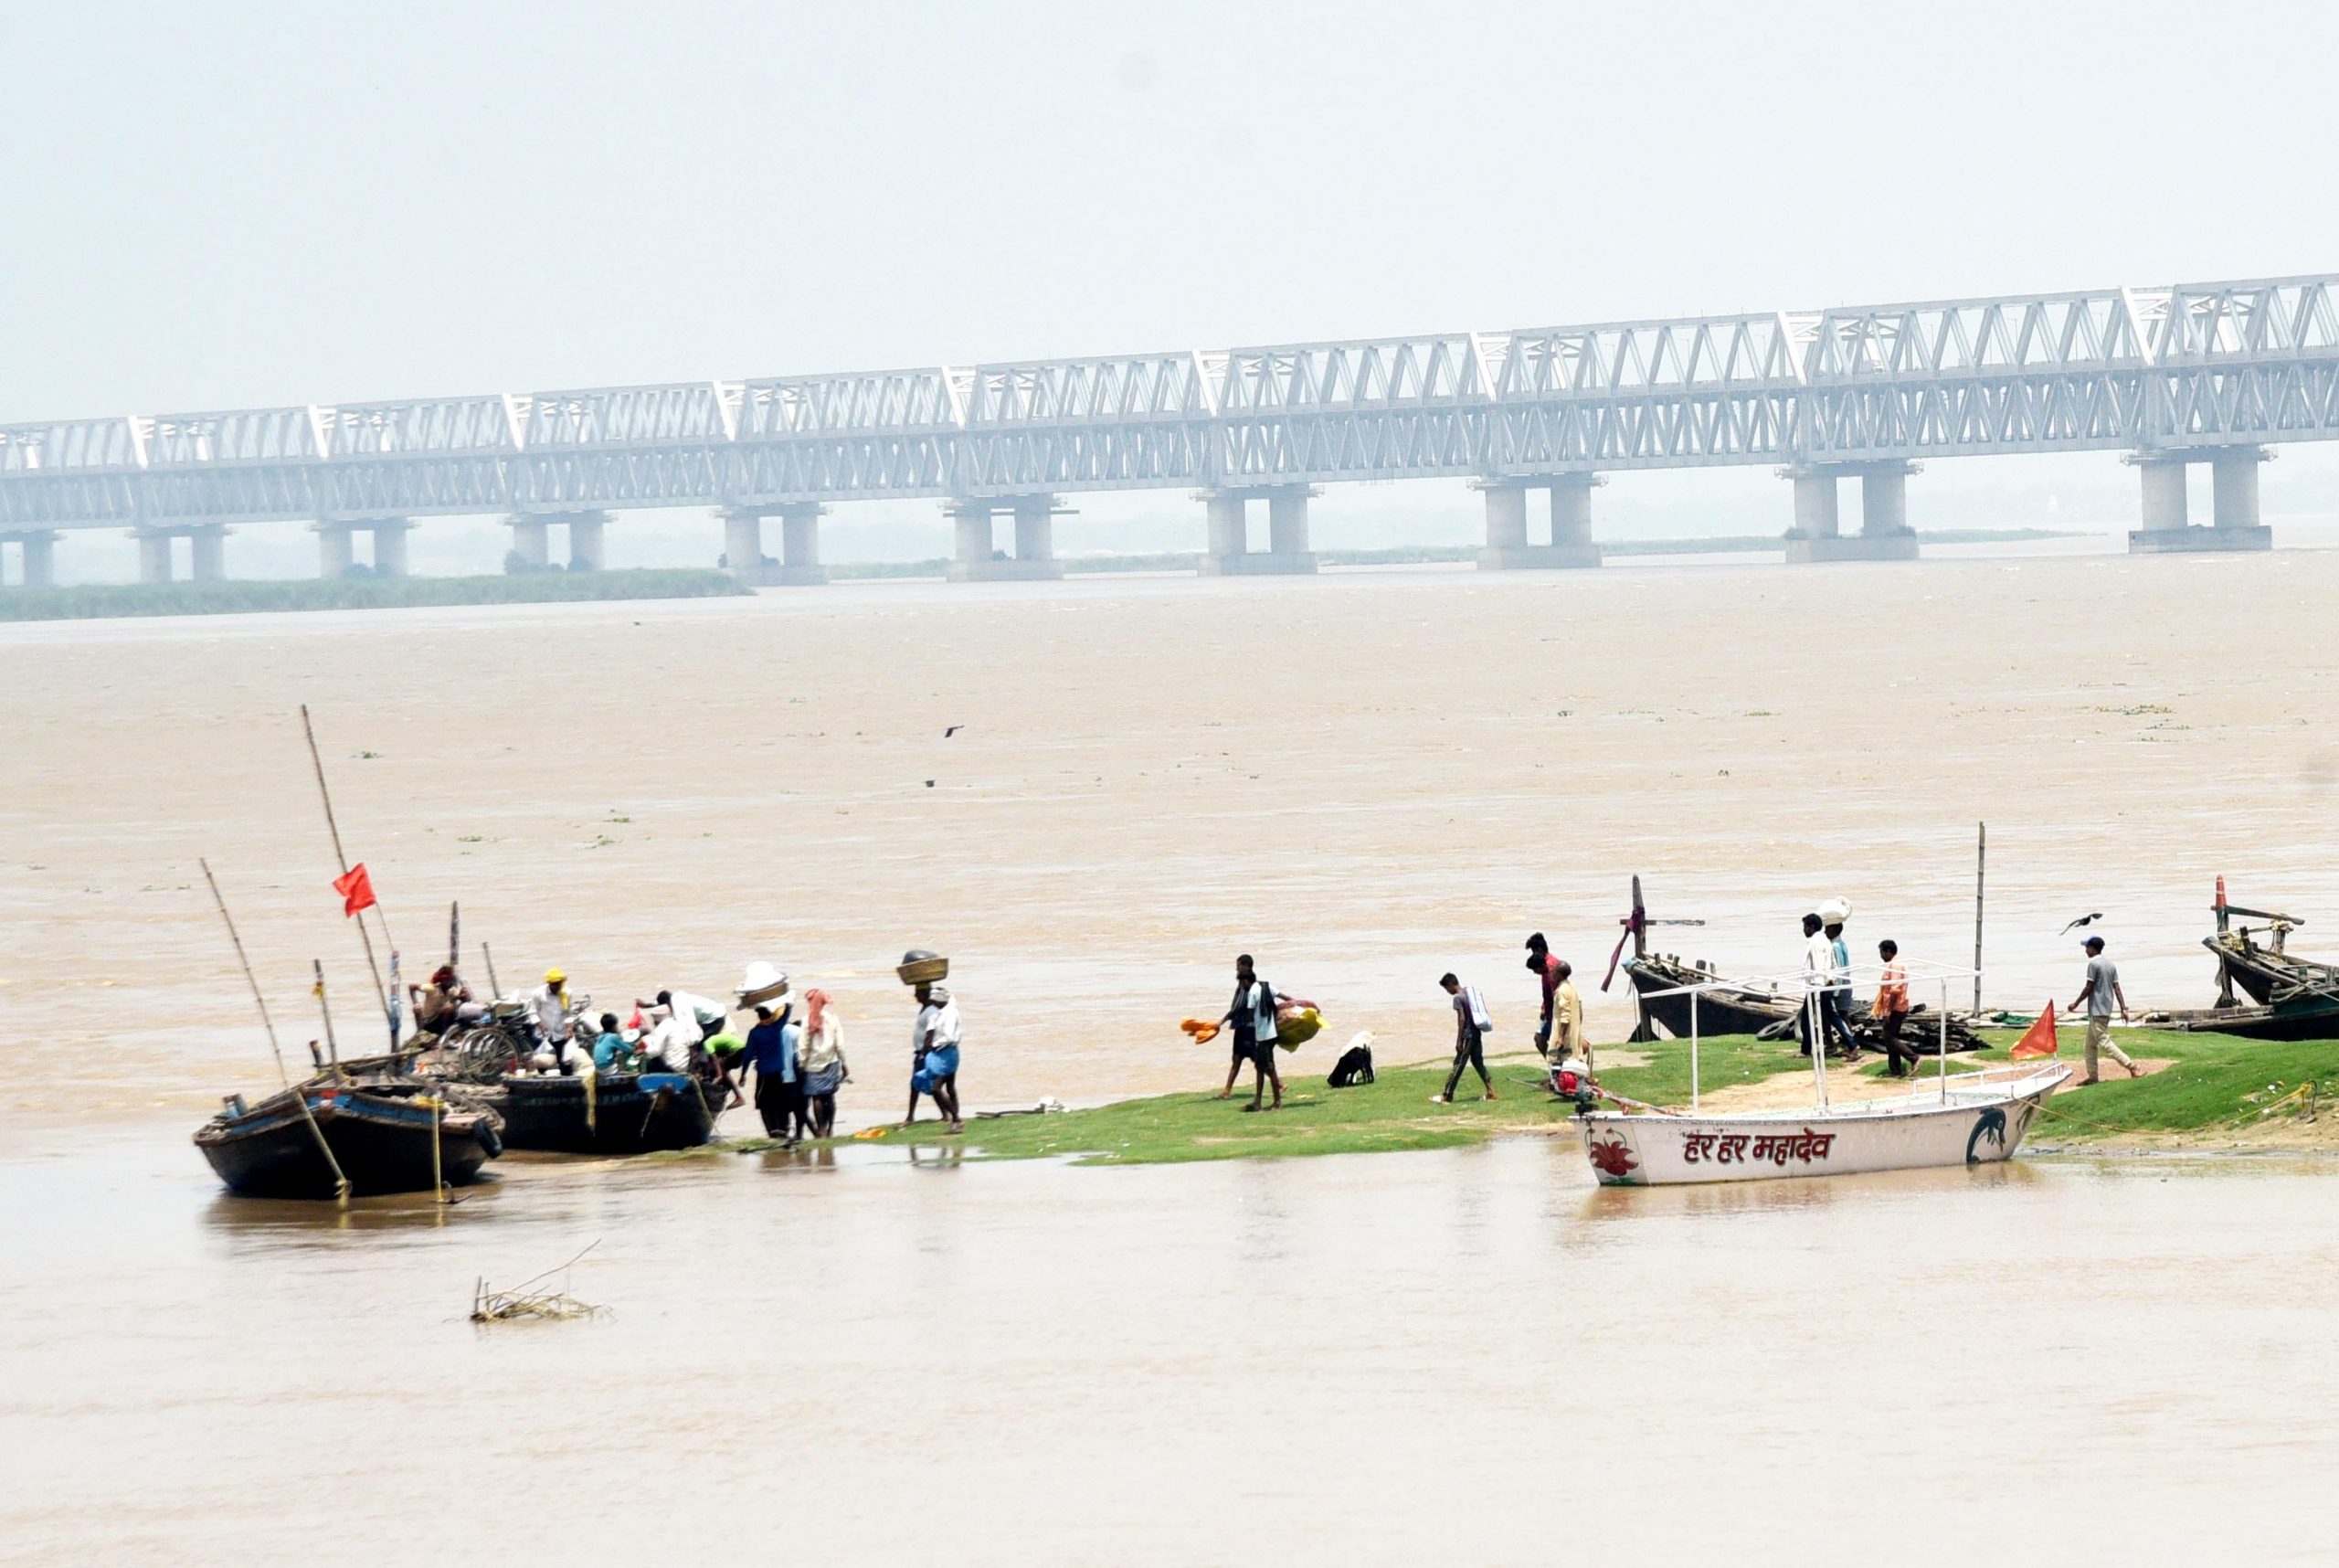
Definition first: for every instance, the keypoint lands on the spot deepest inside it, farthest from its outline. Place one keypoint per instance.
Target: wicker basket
(921, 968)
(749, 1000)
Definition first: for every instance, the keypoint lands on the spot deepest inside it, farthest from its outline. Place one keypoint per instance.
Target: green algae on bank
(2215, 1084)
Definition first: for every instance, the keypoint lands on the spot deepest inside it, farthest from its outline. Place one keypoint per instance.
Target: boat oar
(340, 1182)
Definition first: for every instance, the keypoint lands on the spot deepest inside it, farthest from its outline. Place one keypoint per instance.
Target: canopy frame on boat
(1814, 982)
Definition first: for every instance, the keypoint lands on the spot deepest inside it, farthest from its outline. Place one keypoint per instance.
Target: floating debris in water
(524, 1303)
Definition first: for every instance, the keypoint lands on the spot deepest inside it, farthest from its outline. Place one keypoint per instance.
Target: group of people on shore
(795, 1067)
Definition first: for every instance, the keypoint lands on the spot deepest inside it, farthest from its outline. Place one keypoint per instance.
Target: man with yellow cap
(549, 1007)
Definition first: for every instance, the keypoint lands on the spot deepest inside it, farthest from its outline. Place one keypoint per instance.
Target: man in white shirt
(934, 1043)
(548, 1006)
(1818, 974)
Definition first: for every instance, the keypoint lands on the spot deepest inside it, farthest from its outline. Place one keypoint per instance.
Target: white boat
(1963, 1118)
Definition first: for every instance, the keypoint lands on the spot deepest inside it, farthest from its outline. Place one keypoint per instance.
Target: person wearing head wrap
(934, 1040)
(438, 1005)
(822, 1062)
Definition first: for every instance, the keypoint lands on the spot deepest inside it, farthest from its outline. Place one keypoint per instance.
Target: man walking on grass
(2100, 995)
(1470, 1025)
(1252, 1015)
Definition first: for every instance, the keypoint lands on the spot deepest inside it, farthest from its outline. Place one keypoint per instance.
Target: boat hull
(620, 1113)
(2263, 975)
(1718, 1011)
(382, 1145)
(2315, 1018)
(1968, 1128)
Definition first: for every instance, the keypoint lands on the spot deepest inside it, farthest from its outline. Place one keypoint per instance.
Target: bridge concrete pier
(1507, 545)
(334, 555)
(2233, 499)
(743, 544)
(154, 553)
(975, 560)
(390, 546)
(799, 544)
(1885, 534)
(588, 547)
(208, 553)
(1229, 553)
(36, 558)
(532, 540)
(531, 544)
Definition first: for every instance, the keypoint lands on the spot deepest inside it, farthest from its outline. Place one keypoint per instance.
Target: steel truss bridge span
(2190, 367)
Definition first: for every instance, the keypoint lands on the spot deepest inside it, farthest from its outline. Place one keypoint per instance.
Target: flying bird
(952, 730)
(2082, 920)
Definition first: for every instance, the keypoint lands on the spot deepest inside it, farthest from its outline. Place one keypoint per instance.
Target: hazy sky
(225, 204)
(214, 207)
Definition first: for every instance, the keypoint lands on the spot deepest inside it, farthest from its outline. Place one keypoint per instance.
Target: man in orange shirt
(1891, 1009)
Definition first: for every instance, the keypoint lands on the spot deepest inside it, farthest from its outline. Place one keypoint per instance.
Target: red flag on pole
(356, 889)
(2039, 1040)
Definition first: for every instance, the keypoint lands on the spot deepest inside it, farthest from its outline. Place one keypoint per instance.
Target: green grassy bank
(2219, 1090)
(92, 601)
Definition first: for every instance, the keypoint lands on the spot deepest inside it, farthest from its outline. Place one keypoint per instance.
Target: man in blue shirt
(772, 1048)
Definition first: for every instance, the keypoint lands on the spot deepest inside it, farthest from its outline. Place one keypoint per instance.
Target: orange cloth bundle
(1203, 1033)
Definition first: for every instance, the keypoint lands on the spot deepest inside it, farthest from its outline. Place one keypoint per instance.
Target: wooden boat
(1664, 985)
(613, 1113)
(387, 1134)
(2298, 1017)
(2265, 973)
(1970, 1118)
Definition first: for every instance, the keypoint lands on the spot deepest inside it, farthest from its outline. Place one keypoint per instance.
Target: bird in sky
(952, 730)
(2082, 920)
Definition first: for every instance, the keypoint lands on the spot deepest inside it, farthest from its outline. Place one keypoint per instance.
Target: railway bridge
(2165, 376)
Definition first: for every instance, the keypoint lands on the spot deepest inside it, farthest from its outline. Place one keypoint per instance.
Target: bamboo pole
(1981, 863)
(333, 1046)
(341, 859)
(340, 1182)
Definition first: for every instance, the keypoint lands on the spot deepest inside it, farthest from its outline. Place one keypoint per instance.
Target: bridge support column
(587, 543)
(334, 554)
(743, 545)
(208, 553)
(531, 546)
(1506, 547)
(153, 555)
(1507, 522)
(1229, 553)
(1226, 518)
(1885, 534)
(390, 546)
(2167, 529)
(976, 561)
(36, 549)
(800, 545)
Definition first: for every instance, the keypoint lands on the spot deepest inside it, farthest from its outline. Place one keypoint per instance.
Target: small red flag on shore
(356, 889)
(2039, 1040)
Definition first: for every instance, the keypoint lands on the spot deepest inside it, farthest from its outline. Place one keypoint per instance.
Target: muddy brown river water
(1366, 779)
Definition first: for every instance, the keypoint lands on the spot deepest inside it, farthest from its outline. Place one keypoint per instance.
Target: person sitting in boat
(437, 1006)
(610, 1051)
(675, 1031)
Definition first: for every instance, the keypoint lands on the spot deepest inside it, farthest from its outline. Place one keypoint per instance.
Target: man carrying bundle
(1251, 1014)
